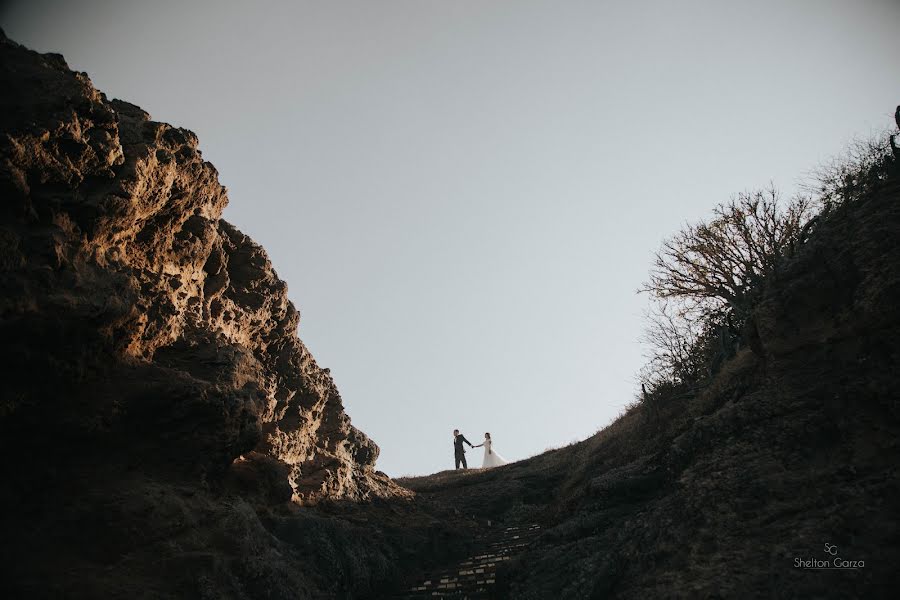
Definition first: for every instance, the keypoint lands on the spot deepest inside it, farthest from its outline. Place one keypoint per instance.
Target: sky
(464, 196)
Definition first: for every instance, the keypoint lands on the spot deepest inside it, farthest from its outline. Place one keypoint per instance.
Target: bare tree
(671, 340)
(721, 264)
(685, 351)
(707, 279)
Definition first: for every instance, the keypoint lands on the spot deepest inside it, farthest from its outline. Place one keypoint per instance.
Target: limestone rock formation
(135, 320)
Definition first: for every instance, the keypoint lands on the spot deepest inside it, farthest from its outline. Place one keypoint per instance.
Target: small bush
(845, 179)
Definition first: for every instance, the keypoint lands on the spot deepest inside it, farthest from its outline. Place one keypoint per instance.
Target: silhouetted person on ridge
(458, 450)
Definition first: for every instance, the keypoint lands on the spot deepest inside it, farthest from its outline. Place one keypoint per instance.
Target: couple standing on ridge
(491, 458)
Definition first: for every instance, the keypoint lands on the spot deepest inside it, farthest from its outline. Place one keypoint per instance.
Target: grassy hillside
(717, 489)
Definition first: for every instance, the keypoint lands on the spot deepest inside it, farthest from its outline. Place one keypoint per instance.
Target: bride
(491, 458)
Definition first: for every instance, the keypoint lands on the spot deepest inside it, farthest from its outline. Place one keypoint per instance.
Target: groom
(458, 451)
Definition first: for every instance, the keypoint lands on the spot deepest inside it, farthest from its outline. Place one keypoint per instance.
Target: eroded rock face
(136, 320)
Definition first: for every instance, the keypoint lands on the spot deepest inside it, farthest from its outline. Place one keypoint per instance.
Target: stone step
(475, 576)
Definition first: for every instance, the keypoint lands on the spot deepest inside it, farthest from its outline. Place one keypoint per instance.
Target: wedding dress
(491, 458)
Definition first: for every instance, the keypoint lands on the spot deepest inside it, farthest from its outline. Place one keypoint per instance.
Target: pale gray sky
(463, 196)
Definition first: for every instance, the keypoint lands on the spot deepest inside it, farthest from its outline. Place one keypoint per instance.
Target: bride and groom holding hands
(491, 458)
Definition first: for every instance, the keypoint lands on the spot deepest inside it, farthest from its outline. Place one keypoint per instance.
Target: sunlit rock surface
(134, 318)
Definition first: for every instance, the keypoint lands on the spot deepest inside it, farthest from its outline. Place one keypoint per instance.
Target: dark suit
(458, 451)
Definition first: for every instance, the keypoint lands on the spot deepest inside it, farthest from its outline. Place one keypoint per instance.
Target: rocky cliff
(155, 388)
(131, 310)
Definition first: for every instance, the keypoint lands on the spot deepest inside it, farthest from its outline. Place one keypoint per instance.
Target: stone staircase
(476, 576)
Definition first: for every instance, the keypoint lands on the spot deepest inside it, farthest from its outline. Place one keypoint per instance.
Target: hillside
(717, 492)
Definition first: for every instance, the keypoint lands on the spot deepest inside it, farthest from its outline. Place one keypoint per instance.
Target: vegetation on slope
(769, 423)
